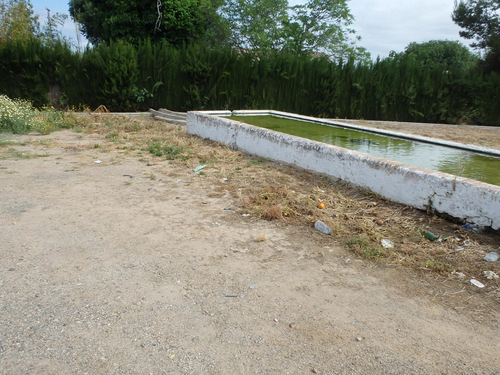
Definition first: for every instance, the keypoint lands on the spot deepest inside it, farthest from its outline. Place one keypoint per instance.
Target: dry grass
(358, 218)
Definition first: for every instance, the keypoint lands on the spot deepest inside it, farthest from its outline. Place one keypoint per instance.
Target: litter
(490, 275)
(476, 283)
(491, 256)
(458, 274)
(430, 236)
(98, 161)
(456, 249)
(199, 168)
(387, 244)
(322, 227)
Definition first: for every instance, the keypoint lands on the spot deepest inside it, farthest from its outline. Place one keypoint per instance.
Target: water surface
(440, 158)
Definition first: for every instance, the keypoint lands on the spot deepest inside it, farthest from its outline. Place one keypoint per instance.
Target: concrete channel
(468, 200)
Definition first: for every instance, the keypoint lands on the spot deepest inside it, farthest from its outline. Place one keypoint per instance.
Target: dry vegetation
(358, 218)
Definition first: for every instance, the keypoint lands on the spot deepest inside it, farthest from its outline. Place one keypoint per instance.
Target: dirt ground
(115, 261)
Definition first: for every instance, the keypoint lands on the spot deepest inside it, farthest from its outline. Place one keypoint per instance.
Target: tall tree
(17, 21)
(51, 32)
(450, 56)
(323, 26)
(177, 21)
(318, 26)
(480, 20)
(256, 25)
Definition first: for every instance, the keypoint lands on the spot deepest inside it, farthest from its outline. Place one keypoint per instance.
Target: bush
(16, 116)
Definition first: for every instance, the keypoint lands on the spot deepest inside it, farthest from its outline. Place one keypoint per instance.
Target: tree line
(299, 61)
(129, 77)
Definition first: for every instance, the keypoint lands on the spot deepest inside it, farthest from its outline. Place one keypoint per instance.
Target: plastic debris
(322, 227)
(98, 161)
(199, 168)
(430, 236)
(216, 224)
(472, 228)
(476, 283)
(492, 256)
(456, 249)
(490, 275)
(458, 274)
(387, 244)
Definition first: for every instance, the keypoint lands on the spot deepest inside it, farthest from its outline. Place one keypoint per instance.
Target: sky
(384, 25)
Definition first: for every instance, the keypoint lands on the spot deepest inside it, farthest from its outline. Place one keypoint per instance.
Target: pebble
(492, 256)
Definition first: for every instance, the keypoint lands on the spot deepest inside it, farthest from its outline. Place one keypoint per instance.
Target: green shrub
(16, 116)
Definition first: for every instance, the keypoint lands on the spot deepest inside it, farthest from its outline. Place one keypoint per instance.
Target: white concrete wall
(472, 201)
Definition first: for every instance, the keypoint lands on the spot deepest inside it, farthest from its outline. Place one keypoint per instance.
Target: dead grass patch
(359, 219)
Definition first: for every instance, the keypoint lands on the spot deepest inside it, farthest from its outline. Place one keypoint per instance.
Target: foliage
(256, 25)
(317, 27)
(20, 117)
(451, 56)
(323, 26)
(177, 21)
(43, 74)
(51, 32)
(480, 20)
(17, 21)
(110, 72)
(125, 77)
(16, 116)
(159, 147)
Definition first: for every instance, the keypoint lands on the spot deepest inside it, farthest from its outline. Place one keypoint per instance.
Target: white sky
(390, 25)
(384, 25)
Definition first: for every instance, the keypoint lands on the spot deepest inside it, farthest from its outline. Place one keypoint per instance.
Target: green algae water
(440, 158)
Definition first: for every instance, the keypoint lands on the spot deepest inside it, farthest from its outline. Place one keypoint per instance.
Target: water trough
(468, 200)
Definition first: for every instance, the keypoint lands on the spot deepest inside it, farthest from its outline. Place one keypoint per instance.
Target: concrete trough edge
(442, 142)
(468, 200)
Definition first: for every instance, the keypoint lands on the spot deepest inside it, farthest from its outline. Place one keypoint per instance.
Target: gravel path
(106, 269)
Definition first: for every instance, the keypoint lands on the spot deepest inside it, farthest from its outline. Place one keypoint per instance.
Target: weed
(435, 265)
(11, 143)
(159, 147)
(112, 135)
(18, 155)
(362, 246)
(16, 116)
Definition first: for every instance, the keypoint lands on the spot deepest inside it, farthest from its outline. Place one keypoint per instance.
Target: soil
(114, 261)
